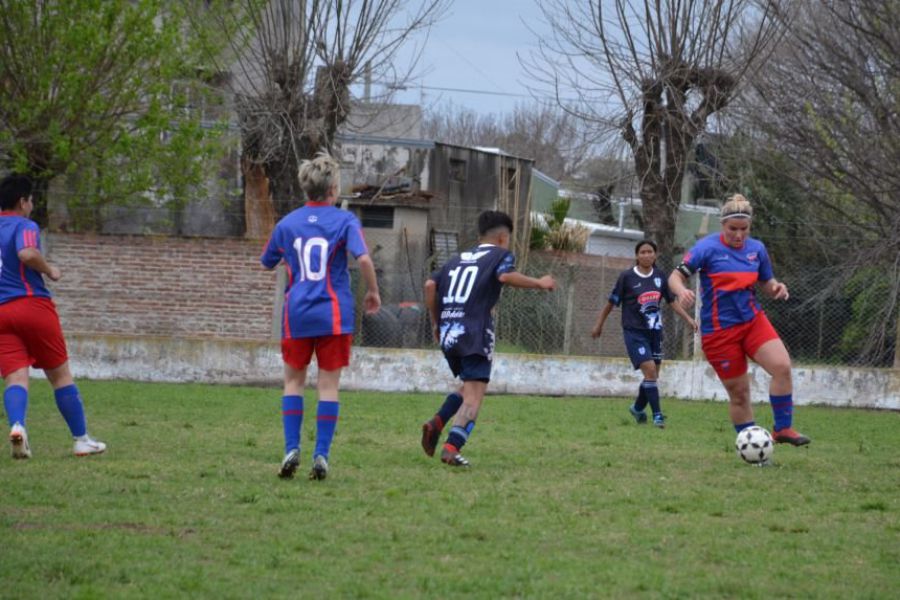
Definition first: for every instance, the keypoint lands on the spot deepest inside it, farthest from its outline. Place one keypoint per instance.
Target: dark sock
(651, 393)
(451, 404)
(783, 410)
(460, 435)
(640, 402)
(739, 427)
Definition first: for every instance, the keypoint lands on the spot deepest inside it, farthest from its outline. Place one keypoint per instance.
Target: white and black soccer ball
(754, 445)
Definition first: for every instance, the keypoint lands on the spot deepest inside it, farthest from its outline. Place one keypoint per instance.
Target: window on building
(457, 170)
(377, 217)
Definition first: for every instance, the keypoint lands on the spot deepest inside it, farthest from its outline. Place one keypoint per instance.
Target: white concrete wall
(218, 361)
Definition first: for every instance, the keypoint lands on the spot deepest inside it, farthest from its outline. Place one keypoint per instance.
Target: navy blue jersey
(640, 297)
(468, 287)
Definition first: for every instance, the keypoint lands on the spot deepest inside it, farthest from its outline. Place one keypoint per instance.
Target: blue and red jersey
(17, 280)
(313, 242)
(728, 276)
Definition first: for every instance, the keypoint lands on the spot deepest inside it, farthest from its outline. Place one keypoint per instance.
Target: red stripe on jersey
(28, 290)
(335, 305)
(287, 322)
(715, 311)
(732, 281)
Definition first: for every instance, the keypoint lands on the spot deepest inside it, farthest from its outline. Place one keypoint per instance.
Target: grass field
(567, 498)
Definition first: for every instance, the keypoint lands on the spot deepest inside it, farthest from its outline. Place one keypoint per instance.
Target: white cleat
(86, 445)
(18, 439)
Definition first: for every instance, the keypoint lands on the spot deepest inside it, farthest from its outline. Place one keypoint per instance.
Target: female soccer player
(313, 242)
(30, 333)
(733, 325)
(639, 291)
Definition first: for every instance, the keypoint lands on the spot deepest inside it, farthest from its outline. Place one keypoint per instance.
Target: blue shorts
(643, 345)
(473, 367)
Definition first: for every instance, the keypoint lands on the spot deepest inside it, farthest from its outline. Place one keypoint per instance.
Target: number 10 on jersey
(305, 256)
(460, 284)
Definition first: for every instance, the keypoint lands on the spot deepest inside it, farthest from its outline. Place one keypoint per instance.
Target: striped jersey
(313, 242)
(727, 279)
(468, 287)
(17, 280)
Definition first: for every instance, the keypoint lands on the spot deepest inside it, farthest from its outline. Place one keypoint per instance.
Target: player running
(640, 291)
(733, 325)
(318, 315)
(30, 333)
(459, 298)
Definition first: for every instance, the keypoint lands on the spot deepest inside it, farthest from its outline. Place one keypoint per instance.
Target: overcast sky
(474, 48)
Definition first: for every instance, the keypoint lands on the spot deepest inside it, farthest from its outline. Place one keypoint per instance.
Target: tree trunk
(259, 212)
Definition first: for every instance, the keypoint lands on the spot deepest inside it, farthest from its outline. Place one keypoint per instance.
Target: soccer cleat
(319, 469)
(453, 458)
(639, 416)
(659, 420)
(430, 436)
(789, 436)
(289, 464)
(18, 440)
(86, 445)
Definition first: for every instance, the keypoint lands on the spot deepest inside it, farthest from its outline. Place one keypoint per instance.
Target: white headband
(737, 215)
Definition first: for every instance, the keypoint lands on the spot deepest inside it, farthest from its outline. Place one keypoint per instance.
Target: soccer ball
(754, 445)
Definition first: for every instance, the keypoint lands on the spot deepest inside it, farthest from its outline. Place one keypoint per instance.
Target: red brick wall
(140, 285)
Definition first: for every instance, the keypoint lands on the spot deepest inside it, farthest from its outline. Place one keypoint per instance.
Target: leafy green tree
(102, 90)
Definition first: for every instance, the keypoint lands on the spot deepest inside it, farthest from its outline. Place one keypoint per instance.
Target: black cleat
(453, 458)
(289, 464)
(319, 469)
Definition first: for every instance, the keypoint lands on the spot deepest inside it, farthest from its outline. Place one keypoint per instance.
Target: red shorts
(727, 350)
(30, 335)
(332, 351)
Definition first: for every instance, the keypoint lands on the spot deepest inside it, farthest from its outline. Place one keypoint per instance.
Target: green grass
(567, 498)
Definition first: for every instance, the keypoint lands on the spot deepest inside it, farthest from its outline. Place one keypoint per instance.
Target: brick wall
(141, 285)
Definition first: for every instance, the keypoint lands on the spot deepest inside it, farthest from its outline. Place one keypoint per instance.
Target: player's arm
(33, 259)
(604, 313)
(775, 289)
(685, 315)
(431, 305)
(684, 297)
(372, 299)
(516, 279)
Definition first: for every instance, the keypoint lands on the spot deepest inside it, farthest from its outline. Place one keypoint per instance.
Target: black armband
(684, 270)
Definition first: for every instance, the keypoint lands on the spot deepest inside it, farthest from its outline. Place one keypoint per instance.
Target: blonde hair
(319, 175)
(736, 207)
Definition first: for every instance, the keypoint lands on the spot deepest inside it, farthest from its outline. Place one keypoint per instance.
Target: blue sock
(651, 393)
(68, 401)
(292, 421)
(451, 404)
(640, 402)
(783, 409)
(739, 427)
(15, 401)
(460, 435)
(326, 422)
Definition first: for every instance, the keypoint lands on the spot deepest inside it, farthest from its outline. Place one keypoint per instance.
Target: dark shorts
(643, 345)
(30, 335)
(470, 368)
(332, 351)
(727, 350)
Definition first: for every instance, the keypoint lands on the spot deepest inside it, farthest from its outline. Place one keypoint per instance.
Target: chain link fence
(843, 324)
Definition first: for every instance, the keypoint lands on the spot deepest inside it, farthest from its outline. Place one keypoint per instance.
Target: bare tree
(654, 72)
(829, 100)
(295, 62)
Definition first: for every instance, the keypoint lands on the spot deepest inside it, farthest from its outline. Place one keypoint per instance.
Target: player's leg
(639, 354)
(432, 428)
(464, 423)
(332, 355)
(739, 408)
(650, 390)
(15, 402)
(292, 412)
(774, 358)
(71, 407)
